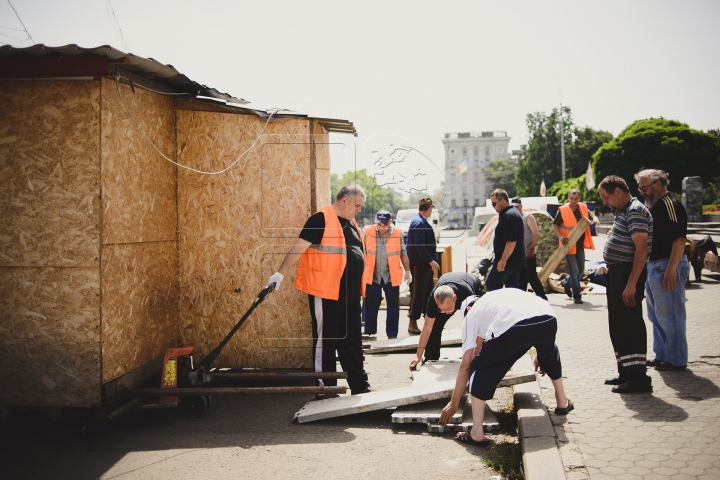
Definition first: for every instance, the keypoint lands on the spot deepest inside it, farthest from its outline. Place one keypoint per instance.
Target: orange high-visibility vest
(321, 266)
(393, 248)
(569, 222)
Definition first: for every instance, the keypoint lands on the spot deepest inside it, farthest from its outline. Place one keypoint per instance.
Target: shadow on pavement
(649, 408)
(690, 386)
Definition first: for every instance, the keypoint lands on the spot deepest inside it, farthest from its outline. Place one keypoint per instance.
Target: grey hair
(574, 190)
(500, 194)
(653, 175)
(351, 190)
(443, 293)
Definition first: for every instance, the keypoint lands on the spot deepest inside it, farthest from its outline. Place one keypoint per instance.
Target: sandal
(467, 438)
(566, 410)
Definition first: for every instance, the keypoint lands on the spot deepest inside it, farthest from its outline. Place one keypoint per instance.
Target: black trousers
(499, 354)
(420, 288)
(432, 349)
(627, 327)
(530, 274)
(336, 326)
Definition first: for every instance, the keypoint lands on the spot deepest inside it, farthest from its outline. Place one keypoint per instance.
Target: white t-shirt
(497, 311)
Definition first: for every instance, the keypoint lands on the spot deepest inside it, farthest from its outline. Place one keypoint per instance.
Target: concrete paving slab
(427, 412)
(441, 371)
(490, 422)
(450, 337)
(541, 460)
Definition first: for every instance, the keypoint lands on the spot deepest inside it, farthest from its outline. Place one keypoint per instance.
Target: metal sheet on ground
(449, 337)
(366, 402)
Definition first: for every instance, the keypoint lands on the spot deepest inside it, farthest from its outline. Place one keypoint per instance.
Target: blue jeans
(666, 312)
(576, 266)
(371, 305)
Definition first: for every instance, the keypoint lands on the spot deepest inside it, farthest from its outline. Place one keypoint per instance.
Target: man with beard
(667, 270)
(626, 253)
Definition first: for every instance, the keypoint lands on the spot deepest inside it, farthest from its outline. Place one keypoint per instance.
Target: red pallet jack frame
(191, 388)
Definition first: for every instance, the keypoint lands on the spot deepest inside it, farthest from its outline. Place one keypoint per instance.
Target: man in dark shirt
(423, 262)
(509, 244)
(668, 269)
(448, 295)
(335, 302)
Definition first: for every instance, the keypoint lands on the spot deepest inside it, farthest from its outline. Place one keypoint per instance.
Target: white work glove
(408, 277)
(277, 279)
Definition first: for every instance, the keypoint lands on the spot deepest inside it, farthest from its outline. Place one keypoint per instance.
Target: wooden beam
(562, 250)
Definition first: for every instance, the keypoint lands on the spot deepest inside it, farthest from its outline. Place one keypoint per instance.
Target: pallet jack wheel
(194, 407)
(209, 400)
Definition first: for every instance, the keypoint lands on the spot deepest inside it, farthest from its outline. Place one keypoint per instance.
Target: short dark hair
(574, 190)
(611, 182)
(500, 194)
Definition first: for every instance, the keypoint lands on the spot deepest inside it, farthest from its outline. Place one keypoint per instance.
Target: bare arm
(532, 225)
(562, 239)
(405, 262)
(293, 255)
(422, 341)
(460, 384)
(509, 247)
(641, 250)
(678, 249)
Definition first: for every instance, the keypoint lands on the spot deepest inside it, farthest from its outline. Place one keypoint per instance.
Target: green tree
(659, 143)
(378, 198)
(540, 157)
(561, 189)
(580, 152)
(501, 174)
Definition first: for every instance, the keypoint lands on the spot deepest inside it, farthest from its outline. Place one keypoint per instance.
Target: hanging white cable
(273, 110)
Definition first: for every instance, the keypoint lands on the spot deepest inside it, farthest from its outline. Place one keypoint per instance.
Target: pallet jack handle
(207, 361)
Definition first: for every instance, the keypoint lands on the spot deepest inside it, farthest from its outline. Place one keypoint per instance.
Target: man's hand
(414, 363)
(434, 265)
(501, 265)
(670, 280)
(628, 295)
(564, 240)
(277, 279)
(537, 366)
(448, 412)
(531, 252)
(408, 277)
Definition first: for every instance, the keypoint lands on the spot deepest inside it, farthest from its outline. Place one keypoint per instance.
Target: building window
(477, 202)
(477, 151)
(464, 151)
(453, 204)
(452, 150)
(487, 152)
(465, 203)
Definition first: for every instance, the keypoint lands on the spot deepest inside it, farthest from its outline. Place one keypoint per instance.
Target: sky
(405, 73)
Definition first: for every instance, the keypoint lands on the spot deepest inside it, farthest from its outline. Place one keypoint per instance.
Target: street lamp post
(562, 143)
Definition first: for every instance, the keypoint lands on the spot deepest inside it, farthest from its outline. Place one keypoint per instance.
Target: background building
(466, 186)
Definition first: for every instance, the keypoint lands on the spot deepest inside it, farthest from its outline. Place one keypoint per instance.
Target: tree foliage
(561, 189)
(540, 157)
(587, 141)
(501, 174)
(668, 145)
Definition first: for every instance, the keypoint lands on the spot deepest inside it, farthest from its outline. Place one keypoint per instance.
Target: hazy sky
(407, 72)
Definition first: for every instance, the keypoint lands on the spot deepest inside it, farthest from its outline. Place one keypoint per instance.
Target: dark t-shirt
(464, 285)
(669, 224)
(510, 228)
(352, 275)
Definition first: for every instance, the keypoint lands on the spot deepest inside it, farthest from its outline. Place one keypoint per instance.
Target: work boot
(643, 385)
(413, 327)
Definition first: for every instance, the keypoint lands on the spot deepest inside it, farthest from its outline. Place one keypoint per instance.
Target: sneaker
(578, 301)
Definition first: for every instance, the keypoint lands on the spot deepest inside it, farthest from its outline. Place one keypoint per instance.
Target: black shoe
(568, 292)
(367, 390)
(578, 301)
(634, 387)
(615, 381)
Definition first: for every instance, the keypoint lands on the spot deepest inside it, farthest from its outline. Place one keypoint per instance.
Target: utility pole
(562, 142)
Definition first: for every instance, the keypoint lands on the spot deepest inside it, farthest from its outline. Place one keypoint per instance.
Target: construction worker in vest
(565, 220)
(385, 258)
(331, 254)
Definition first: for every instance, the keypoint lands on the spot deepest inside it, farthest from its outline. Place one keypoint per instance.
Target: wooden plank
(450, 337)
(561, 250)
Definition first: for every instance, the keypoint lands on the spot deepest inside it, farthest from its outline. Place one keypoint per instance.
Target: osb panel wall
(49, 173)
(139, 299)
(138, 184)
(49, 243)
(234, 230)
(50, 337)
(139, 269)
(322, 167)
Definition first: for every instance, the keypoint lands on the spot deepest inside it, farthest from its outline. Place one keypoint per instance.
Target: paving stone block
(541, 459)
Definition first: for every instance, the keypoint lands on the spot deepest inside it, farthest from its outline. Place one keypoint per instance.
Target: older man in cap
(423, 262)
(385, 259)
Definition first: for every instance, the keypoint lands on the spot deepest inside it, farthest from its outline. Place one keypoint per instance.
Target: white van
(404, 217)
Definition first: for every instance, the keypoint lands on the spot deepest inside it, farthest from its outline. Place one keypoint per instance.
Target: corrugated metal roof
(138, 68)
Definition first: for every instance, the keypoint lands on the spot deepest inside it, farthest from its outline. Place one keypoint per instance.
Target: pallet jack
(184, 385)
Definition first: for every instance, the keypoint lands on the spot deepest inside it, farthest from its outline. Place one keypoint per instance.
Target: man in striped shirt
(668, 269)
(626, 254)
